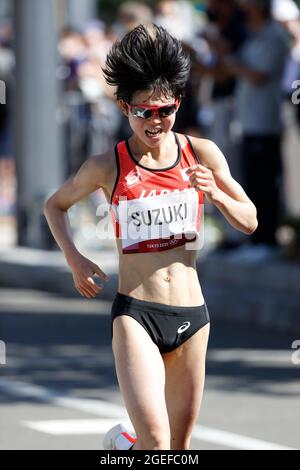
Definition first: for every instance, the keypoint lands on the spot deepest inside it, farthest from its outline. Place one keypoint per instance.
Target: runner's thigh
(141, 376)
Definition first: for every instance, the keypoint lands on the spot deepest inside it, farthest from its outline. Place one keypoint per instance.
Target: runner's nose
(155, 118)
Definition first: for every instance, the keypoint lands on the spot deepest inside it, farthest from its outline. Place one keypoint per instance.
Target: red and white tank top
(155, 209)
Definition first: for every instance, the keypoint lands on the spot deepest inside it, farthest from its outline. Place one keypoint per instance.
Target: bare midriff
(167, 277)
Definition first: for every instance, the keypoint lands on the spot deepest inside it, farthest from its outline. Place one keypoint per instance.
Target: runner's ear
(123, 107)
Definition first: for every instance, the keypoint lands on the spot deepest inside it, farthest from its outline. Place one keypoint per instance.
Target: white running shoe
(118, 438)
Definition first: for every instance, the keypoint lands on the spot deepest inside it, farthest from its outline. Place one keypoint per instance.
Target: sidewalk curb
(266, 295)
(55, 277)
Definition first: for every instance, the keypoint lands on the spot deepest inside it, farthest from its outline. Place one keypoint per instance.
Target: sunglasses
(145, 112)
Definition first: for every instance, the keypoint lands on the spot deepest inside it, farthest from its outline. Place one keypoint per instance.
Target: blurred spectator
(288, 14)
(95, 40)
(97, 45)
(73, 52)
(178, 17)
(7, 163)
(259, 67)
(92, 115)
(224, 34)
(181, 20)
(130, 15)
(90, 77)
(7, 63)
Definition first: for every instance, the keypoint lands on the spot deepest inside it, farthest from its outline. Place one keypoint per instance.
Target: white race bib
(156, 217)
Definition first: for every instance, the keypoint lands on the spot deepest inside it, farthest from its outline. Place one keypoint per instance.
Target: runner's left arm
(213, 177)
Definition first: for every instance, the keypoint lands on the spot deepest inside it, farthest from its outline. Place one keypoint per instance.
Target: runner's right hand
(82, 270)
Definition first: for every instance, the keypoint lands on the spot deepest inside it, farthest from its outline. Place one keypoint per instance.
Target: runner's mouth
(153, 133)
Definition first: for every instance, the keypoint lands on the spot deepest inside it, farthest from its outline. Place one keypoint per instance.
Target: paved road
(58, 389)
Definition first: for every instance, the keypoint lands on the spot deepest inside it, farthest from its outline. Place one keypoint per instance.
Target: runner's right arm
(92, 175)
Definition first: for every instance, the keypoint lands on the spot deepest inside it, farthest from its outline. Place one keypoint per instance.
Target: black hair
(147, 58)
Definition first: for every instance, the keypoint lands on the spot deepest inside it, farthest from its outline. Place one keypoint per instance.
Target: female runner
(156, 182)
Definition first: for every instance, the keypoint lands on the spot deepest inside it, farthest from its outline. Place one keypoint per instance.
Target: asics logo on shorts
(183, 327)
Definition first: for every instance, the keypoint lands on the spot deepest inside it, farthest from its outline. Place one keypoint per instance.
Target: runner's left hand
(202, 179)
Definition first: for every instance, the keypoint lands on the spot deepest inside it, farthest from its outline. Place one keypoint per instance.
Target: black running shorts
(168, 326)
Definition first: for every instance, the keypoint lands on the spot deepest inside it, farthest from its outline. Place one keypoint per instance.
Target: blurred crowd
(7, 165)
(245, 59)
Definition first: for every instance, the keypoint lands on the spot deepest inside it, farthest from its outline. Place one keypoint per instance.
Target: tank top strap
(124, 158)
(124, 165)
(192, 149)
